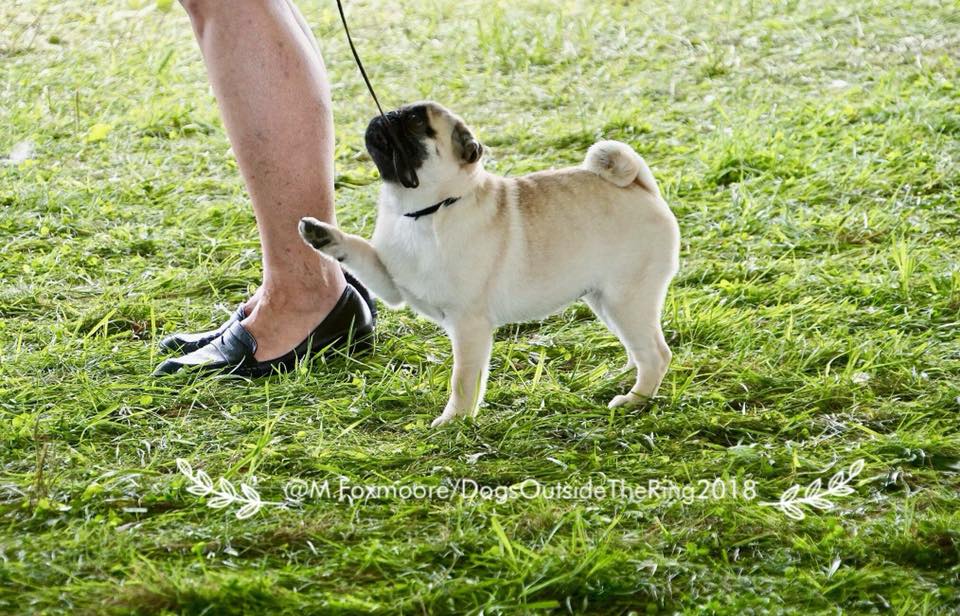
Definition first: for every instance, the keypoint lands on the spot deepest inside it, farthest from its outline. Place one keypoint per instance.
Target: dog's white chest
(417, 265)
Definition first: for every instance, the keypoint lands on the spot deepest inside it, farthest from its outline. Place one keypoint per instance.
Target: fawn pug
(473, 251)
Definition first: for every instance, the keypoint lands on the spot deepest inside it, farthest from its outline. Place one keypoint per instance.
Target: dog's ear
(465, 145)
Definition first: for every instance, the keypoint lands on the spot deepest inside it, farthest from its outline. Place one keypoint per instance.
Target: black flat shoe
(349, 325)
(188, 343)
(364, 293)
(184, 343)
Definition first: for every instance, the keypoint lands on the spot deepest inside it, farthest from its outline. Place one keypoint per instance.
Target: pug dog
(473, 251)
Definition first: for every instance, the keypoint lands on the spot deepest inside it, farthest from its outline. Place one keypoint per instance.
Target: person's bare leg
(271, 87)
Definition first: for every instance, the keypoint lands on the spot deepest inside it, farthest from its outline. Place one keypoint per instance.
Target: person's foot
(348, 323)
(188, 342)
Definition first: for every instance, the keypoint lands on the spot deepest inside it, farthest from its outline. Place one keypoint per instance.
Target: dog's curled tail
(618, 163)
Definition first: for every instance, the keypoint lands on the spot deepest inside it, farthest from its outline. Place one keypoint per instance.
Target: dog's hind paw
(442, 419)
(629, 399)
(449, 414)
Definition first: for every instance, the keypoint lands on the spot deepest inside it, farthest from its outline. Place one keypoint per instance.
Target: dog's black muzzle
(396, 155)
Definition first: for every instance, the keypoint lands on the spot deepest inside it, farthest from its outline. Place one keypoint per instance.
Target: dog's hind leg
(634, 316)
(595, 303)
(472, 342)
(355, 253)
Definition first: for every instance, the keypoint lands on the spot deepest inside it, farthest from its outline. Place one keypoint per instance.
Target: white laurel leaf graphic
(184, 467)
(790, 494)
(792, 512)
(222, 493)
(813, 489)
(204, 480)
(820, 503)
(814, 496)
(248, 510)
(198, 490)
(226, 487)
(219, 502)
(249, 492)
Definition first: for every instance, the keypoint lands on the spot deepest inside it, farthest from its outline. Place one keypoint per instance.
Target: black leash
(397, 147)
(356, 57)
(396, 142)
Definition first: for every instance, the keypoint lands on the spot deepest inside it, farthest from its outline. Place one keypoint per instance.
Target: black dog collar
(433, 208)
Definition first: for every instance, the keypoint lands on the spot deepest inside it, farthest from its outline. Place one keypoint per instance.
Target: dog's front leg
(356, 254)
(472, 341)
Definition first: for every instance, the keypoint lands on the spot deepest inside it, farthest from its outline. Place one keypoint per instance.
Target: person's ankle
(283, 319)
(252, 301)
(300, 295)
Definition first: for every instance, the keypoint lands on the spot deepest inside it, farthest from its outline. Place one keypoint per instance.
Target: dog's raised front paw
(322, 237)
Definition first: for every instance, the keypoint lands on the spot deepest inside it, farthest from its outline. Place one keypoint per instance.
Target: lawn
(810, 151)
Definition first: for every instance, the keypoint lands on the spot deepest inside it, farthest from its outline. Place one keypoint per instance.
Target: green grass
(810, 151)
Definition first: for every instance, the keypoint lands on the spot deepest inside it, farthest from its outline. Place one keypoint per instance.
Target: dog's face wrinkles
(430, 145)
